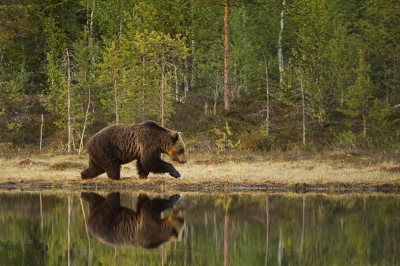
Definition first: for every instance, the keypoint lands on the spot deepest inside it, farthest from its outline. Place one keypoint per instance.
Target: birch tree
(314, 28)
(280, 44)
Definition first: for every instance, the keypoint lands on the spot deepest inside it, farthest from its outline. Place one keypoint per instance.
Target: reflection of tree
(302, 229)
(226, 239)
(225, 202)
(267, 229)
(69, 230)
(90, 253)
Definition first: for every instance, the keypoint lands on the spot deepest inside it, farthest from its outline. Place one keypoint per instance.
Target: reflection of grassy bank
(336, 171)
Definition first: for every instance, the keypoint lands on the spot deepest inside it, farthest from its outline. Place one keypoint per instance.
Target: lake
(129, 228)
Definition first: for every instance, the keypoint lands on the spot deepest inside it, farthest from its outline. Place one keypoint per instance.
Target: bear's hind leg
(141, 172)
(92, 171)
(113, 170)
(92, 198)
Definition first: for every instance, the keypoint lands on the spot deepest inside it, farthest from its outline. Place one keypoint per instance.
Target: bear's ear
(175, 136)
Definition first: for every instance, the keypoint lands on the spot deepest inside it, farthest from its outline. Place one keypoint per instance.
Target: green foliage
(225, 141)
(132, 70)
(125, 54)
(346, 138)
(381, 39)
(14, 126)
(256, 140)
(359, 96)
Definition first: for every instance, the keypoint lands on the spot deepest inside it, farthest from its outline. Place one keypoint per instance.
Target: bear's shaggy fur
(120, 144)
(120, 226)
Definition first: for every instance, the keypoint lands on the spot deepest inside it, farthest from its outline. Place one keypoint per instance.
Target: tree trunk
(364, 118)
(176, 84)
(41, 133)
(267, 123)
(217, 84)
(163, 92)
(143, 87)
(116, 97)
(186, 72)
(303, 109)
(91, 31)
(280, 55)
(227, 88)
(69, 104)
(185, 80)
(84, 125)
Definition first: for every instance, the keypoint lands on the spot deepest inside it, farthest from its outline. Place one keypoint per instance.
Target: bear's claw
(175, 174)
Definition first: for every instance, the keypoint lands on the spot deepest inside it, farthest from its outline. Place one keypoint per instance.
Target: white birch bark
(163, 92)
(116, 96)
(84, 125)
(280, 55)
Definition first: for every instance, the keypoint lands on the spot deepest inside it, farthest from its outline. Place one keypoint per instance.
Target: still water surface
(58, 228)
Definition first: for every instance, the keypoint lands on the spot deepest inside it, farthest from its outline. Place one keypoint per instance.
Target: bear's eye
(175, 233)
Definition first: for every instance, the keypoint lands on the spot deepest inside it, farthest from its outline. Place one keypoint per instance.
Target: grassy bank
(333, 172)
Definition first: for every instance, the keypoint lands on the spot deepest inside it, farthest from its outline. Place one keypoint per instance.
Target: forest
(258, 75)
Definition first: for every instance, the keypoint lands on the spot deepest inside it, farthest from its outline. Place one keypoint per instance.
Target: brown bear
(121, 226)
(120, 144)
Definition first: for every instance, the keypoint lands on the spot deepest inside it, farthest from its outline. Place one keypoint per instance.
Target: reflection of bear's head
(117, 225)
(176, 149)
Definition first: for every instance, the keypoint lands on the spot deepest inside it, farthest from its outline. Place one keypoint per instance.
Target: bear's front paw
(175, 173)
(143, 197)
(175, 198)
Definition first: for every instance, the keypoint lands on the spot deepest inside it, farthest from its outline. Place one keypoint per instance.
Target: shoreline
(220, 175)
(165, 185)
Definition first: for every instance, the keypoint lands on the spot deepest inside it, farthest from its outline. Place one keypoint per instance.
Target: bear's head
(170, 229)
(175, 223)
(176, 151)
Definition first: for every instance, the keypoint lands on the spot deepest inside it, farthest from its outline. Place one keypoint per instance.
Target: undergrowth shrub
(226, 138)
(346, 139)
(256, 140)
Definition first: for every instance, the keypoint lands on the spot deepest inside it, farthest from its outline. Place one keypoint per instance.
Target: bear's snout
(182, 159)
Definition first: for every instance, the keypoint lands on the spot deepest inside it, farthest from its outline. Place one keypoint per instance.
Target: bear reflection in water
(121, 226)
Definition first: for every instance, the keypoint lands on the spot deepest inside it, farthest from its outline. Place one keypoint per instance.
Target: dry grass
(223, 173)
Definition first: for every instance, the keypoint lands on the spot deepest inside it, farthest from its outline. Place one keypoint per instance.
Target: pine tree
(359, 95)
